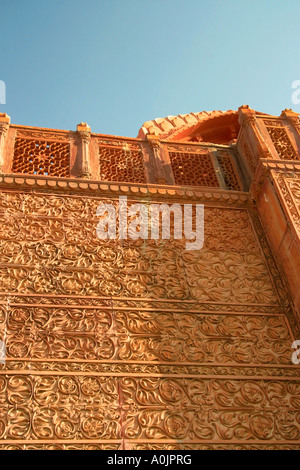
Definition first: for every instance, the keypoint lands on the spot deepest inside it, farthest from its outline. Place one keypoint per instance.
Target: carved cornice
(28, 182)
(281, 165)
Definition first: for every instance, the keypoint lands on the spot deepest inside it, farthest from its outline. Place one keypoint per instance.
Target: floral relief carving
(203, 409)
(182, 409)
(141, 343)
(48, 252)
(294, 187)
(54, 407)
(95, 334)
(290, 190)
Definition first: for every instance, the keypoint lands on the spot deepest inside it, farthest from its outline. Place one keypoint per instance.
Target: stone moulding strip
(278, 165)
(226, 376)
(154, 364)
(137, 299)
(199, 306)
(148, 441)
(52, 367)
(139, 368)
(72, 441)
(170, 192)
(149, 309)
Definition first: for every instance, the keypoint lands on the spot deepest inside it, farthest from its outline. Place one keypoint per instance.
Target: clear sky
(118, 63)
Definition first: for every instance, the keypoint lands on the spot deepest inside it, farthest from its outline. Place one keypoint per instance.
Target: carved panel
(211, 409)
(58, 407)
(140, 343)
(61, 254)
(115, 333)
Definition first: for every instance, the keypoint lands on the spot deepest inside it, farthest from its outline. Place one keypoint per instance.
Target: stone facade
(142, 344)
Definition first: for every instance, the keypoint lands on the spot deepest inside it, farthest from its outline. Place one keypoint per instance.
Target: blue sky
(118, 63)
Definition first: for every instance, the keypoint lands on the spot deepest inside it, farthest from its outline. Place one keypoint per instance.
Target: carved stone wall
(140, 344)
(143, 344)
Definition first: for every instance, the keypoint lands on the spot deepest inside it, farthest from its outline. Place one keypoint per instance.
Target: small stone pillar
(84, 135)
(293, 118)
(247, 118)
(4, 126)
(154, 143)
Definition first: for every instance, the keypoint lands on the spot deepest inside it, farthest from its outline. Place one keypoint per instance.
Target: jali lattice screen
(121, 163)
(41, 157)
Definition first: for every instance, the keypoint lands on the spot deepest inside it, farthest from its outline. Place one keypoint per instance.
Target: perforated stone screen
(229, 173)
(192, 169)
(282, 143)
(121, 164)
(41, 157)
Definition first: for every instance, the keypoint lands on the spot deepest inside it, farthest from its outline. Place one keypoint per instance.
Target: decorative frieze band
(139, 190)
